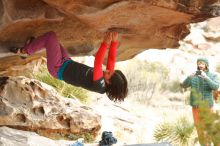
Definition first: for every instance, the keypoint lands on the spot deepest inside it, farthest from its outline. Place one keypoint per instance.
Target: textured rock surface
(80, 24)
(24, 138)
(213, 30)
(30, 105)
(20, 67)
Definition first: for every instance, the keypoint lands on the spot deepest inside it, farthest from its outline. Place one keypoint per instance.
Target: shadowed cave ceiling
(81, 24)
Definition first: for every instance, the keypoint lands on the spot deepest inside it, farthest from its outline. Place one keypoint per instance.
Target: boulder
(25, 138)
(28, 104)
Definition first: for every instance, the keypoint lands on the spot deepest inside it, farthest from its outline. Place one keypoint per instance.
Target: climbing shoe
(17, 51)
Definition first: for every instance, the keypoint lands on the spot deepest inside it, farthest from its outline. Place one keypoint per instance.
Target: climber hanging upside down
(61, 66)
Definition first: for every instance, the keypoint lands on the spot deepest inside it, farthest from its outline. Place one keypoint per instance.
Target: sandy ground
(133, 123)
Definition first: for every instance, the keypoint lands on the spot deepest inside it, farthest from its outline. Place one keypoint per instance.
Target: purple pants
(56, 54)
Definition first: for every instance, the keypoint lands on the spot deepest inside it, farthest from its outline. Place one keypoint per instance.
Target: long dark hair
(117, 89)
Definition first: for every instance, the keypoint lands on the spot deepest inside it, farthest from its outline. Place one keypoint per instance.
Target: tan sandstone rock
(28, 104)
(81, 24)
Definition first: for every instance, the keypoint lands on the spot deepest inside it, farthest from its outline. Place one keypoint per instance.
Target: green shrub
(179, 133)
(145, 79)
(210, 124)
(172, 86)
(88, 138)
(63, 88)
